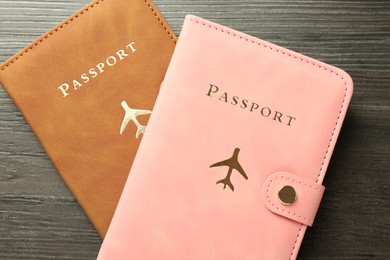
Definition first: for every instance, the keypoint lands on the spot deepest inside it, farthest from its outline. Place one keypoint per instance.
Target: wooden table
(39, 217)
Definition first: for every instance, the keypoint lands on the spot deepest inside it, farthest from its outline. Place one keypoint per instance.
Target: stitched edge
(302, 60)
(51, 32)
(296, 241)
(160, 20)
(68, 21)
(291, 55)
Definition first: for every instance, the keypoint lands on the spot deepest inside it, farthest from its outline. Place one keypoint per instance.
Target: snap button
(280, 192)
(287, 195)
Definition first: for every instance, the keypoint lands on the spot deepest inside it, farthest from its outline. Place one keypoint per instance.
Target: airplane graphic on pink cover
(232, 163)
(170, 207)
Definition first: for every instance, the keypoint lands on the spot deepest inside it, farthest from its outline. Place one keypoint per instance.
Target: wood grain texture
(39, 217)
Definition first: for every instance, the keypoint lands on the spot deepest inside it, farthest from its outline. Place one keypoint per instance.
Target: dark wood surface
(39, 217)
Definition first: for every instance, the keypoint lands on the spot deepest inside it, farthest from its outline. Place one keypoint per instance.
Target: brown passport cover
(79, 125)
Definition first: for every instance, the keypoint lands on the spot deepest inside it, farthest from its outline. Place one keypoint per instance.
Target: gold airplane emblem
(232, 163)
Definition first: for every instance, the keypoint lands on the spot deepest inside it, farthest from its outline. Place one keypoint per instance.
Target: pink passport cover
(237, 119)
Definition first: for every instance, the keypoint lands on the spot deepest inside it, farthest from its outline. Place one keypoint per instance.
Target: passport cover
(236, 149)
(86, 88)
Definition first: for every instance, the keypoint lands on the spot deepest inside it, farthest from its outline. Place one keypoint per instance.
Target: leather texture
(81, 131)
(178, 202)
(308, 197)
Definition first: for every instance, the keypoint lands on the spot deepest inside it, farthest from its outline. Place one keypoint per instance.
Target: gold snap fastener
(287, 195)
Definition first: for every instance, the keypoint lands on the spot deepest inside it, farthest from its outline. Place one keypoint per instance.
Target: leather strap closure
(278, 195)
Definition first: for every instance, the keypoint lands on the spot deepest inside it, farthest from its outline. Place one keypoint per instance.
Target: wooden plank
(40, 219)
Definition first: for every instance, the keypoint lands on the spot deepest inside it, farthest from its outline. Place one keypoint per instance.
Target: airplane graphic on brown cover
(131, 115)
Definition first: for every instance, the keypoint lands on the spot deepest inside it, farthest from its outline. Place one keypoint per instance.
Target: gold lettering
(291, 119)
(131, 47)
(224, 97)
(254, 106)
(278, 115)
(76, 84)
(100, 66)
(121, 54)
(63, 88)
(212, 89)
(108, 61)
